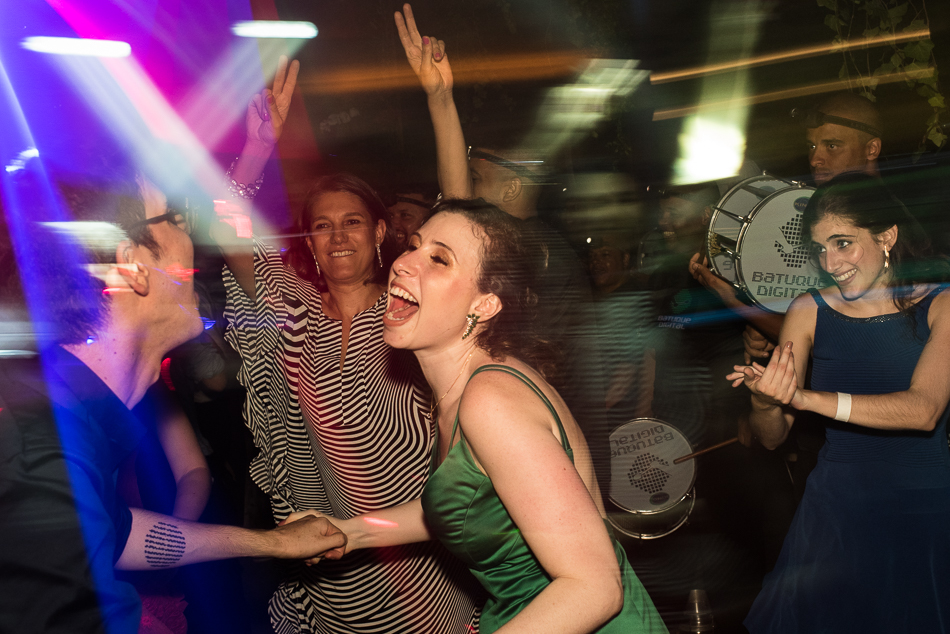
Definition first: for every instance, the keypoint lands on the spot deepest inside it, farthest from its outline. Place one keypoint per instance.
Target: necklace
(433, 408)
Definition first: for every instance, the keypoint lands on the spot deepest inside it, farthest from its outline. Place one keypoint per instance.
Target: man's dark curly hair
(55, 277)
(505, 270)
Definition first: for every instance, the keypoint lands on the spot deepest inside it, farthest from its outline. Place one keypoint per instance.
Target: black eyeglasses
(515, 167)
(172, 217)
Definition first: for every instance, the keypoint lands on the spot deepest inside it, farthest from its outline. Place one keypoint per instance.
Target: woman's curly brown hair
(505, 270)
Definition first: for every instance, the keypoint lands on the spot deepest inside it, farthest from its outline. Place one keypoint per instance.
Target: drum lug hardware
(737, 218)
(716, 246)
(761, 193)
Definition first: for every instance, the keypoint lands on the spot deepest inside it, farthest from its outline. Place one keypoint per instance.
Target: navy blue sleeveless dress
(869, 547)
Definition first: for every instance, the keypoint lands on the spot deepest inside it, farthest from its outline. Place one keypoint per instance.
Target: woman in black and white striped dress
(340, 418)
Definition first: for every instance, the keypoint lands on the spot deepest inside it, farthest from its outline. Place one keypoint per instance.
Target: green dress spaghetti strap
(464, 511)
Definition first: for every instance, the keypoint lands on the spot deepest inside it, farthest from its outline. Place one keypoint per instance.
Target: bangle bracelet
(241, 190)
(843, 411)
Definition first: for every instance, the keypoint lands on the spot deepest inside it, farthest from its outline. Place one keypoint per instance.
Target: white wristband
(843, 413)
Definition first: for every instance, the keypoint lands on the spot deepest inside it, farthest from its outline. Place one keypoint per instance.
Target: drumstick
(706, 450)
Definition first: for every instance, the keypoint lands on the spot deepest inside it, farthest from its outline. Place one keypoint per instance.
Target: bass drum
(759, 247)
(731, 215)
(649, 496)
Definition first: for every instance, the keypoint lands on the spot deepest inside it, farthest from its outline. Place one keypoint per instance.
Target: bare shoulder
(800, 317)
(939, 311)
(498, 396)
(805, 304)
(942, 297)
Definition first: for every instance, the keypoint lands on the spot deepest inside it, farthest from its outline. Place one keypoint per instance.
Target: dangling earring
(379, 255)
(887, 257)
(470, 320)
(317, 263)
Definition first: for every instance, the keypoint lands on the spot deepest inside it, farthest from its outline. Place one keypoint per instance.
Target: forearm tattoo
(164, 545)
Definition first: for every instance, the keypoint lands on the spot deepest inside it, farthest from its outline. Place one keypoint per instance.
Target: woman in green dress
(513, 492)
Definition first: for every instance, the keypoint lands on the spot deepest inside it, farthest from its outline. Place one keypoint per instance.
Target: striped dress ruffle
(343, 442)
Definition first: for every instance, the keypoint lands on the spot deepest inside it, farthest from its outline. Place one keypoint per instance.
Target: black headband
(812, 118)
(517, 168)
(414, 201)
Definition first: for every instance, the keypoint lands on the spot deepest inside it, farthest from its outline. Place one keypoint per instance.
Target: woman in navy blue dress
(869, 548)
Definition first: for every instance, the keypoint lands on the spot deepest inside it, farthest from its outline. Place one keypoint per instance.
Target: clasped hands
(335, 553)
(775, 384)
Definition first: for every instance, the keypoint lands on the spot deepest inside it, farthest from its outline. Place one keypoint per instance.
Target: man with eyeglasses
(113, 285)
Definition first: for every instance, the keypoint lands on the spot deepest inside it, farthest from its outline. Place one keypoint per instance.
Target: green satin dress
(464, 511)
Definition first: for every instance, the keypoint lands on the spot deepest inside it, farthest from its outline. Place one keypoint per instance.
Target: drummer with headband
(843, 134)
(408, 208)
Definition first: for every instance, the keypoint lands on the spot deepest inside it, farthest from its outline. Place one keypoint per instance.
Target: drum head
(643, 478)
(742, 199)
(774, 266)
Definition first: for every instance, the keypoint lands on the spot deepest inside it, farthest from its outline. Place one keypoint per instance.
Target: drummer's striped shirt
(343, 442)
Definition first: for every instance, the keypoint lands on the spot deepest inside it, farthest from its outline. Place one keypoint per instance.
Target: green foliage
(914, 60)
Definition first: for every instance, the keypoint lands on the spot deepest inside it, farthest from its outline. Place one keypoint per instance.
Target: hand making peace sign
(426, 55)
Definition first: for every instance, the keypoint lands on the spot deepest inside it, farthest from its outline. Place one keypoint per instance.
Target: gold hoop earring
(317, 263)
(887, 257)
(379, 255)
(471, 321)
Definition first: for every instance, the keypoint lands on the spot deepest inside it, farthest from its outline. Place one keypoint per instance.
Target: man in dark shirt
(114, 287)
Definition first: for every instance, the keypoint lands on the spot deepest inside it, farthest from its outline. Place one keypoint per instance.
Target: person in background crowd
(407, 211)
(623, 313)
(843, 134)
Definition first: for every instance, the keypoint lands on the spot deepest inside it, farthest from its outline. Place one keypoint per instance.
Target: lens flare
(275, 29)
(77, 46)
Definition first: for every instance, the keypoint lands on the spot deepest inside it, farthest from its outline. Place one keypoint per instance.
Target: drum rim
(692, 483)
(679, 524)
(763, 175)
(717, 210)
(742, 233)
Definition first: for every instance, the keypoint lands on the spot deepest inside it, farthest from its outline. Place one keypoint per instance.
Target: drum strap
(524, 379)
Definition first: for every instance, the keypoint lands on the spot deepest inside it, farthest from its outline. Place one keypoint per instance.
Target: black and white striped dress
(344, 443)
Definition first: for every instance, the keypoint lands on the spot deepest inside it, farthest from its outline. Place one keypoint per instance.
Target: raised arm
(510, 435)
(917, 408)
(161, 541)
(266, 114)
(430, 63)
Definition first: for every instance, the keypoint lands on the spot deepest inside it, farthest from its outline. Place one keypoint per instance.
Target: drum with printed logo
(755, 241)
(649, 496)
